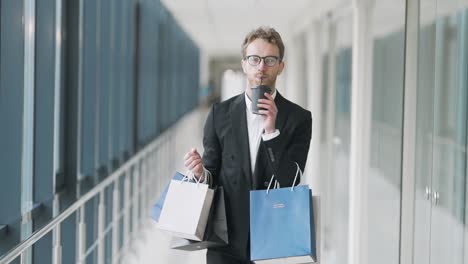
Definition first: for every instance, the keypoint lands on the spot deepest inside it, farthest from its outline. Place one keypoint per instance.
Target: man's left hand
(269, 113)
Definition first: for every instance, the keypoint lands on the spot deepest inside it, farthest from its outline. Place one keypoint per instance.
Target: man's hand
(269, 114)
(193, 162)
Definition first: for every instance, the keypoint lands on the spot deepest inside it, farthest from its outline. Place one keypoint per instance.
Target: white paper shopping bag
(186, 209)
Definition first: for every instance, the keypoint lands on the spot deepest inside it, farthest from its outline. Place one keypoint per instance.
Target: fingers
(269, 96)
(269, 111)
(193, 164)
(193, 161)
(268, 105)
(269, 100)
(198, 170)
(192, 152)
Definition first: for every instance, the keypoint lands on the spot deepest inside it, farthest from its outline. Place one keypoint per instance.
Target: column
(295, 89)
(314, 85)
(361, 106)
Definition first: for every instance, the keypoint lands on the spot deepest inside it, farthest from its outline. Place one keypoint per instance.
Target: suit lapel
(282, 112)
(241, 134)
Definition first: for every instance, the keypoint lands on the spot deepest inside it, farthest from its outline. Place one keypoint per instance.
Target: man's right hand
(193, 162)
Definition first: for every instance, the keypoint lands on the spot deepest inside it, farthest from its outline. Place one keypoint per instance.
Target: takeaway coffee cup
(258, 92)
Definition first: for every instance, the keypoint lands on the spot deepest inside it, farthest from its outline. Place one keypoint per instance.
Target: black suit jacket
(227, 157)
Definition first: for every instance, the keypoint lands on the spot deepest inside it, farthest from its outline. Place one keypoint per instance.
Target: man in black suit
(243, 150)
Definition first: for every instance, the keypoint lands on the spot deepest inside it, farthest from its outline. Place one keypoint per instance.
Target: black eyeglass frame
(277, 60)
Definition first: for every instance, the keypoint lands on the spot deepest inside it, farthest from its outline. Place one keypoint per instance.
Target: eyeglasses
(255, 60)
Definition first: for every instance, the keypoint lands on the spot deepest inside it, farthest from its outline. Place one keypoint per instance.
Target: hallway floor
(152, 245)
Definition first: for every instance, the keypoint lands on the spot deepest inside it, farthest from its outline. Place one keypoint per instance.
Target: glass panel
(103, 75)
(338, 112)
(130, 91)
(11, 105)
(89, 121)
(449, 152)
(173, 71)
(43, 122)
(384, 187)
(424, 130)
(149, 51)
(441, 133)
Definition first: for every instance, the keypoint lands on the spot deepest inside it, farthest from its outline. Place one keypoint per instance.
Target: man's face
(267, 74)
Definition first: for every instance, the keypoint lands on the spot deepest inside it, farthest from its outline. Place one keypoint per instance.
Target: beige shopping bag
(186, 209)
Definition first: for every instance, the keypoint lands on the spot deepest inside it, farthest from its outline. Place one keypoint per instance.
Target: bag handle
(276, 185)
(295, 177)
(190, 176)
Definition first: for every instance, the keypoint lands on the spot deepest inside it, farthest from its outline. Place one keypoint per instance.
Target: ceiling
(219, 26)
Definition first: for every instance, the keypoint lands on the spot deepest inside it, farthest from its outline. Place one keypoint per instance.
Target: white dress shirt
(255, 130)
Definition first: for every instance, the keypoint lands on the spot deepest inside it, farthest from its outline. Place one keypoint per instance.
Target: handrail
(37, 235)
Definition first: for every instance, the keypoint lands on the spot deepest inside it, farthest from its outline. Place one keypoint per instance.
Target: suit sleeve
(287, 149)
(212, 149)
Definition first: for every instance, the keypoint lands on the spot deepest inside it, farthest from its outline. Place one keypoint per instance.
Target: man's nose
(261, 65)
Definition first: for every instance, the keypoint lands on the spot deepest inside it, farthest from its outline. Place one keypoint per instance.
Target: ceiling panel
(219, 26)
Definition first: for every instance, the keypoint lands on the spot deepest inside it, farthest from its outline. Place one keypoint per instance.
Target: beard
(265, 79)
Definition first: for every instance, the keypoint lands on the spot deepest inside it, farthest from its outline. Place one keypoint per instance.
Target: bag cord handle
(277, 185)
(295, 177)
(190, 176)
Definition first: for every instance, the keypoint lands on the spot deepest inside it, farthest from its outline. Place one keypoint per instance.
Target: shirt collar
(248, 102)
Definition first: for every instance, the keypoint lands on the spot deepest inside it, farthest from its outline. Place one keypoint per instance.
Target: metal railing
(143, 170)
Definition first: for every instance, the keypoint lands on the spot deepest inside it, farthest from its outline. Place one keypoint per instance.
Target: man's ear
(281, 67)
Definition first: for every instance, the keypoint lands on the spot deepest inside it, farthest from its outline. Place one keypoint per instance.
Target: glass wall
(11, 115)
(441, 146)
(384, 182)
(81, 91)
(385, 142)
(44, 120)
(337, 63)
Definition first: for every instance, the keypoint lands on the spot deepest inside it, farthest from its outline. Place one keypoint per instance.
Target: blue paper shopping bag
(282, 226)
(157, 207)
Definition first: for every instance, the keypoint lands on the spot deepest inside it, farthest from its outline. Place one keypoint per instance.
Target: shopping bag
(282, 226)
(186, 209)
(216, 234)
(157, 207)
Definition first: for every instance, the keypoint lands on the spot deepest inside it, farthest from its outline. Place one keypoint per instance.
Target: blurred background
(101, 99)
